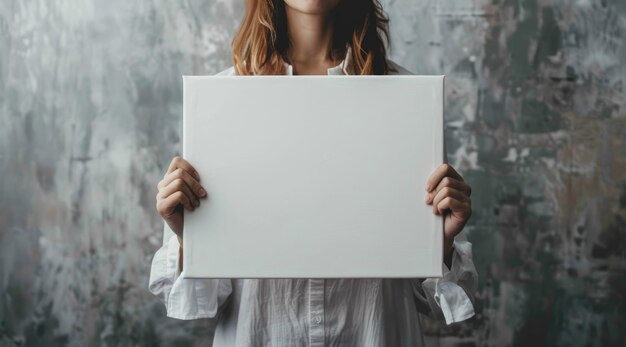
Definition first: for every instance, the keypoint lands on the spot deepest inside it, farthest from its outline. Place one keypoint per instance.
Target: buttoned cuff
(192, 298)
(451, 297)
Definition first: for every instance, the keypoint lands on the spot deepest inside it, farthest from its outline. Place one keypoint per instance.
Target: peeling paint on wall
(90, 104)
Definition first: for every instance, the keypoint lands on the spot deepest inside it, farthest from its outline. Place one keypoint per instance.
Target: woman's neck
(311, 42)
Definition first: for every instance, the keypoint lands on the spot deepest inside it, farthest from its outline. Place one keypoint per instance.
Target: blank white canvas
(313, 176)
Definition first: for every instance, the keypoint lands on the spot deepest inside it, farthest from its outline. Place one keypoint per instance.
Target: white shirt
(316, 312)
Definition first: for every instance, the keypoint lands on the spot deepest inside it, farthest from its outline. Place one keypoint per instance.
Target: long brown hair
(260, 47)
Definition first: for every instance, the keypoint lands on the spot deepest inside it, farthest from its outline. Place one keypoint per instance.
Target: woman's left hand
(449, 195)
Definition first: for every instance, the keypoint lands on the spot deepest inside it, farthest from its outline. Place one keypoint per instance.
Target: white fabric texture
(316, 312)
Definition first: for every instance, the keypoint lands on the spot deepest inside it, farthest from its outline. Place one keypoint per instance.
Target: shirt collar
(344, 68)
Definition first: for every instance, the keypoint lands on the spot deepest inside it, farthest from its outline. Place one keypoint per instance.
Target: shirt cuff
(172, 257)
(192, 298)
(453, 300)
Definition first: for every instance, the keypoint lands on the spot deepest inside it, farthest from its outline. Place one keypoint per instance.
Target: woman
(315, 37)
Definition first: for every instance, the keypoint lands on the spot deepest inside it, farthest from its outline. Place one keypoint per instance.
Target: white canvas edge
(439, 148)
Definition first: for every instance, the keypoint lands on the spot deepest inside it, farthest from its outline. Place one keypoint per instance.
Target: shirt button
(317, 319)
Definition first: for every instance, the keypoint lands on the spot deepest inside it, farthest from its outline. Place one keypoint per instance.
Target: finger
(179, 162)
(176, 186)
(451, 183)
(456, 206)
(167, 206)
(442, 171)
(447, 192)
(181, 173)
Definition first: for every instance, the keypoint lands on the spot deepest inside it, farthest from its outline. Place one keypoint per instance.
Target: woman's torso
(320, 312)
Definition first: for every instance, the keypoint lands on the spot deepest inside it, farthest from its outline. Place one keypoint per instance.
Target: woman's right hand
(178, 190)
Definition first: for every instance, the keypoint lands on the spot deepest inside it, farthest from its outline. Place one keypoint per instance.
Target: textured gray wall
(90, 115)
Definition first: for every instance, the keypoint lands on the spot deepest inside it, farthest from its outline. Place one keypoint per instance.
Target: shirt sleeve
(184, 298)
(453, 295)
(450, 298)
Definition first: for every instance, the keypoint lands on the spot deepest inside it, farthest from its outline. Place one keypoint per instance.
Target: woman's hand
(450, 196)
(179, 189)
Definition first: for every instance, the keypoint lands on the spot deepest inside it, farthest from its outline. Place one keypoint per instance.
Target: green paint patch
(491, 111)
(550, 41)
(537, 117)
(540, 209)
(519, 44)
